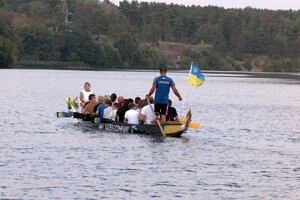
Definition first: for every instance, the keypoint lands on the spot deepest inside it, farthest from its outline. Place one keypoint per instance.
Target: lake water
(248, 146)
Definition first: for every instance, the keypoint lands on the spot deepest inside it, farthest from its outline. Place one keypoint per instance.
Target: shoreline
(209, 73)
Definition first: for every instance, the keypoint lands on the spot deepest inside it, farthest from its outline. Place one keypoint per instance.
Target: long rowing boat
(171, 130)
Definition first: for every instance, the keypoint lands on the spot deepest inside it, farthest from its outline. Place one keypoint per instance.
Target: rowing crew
(125, 110)
(133, 112)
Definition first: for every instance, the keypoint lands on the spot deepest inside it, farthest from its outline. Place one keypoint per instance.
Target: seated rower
(113, 97)
(84, 94)
(108, 111)
(147, 116)
(115, 107)
(130, 100)
(132, 115)
(140, 105)
(122, 109)
(100, 109)
(137, 100)
(172, 113)
(89, 106)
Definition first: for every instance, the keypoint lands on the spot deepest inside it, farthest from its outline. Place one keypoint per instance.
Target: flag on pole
(196, 78)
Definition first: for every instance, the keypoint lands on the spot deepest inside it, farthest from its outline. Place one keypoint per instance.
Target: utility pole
(67, 13)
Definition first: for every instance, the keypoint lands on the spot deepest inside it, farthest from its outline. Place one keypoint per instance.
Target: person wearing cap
(132, 115)
(161, 86)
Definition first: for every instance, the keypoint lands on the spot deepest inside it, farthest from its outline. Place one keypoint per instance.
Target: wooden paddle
(160, 127)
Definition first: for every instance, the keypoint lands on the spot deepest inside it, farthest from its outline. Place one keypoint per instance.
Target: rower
(108, 111)
(113, 97)
(161, 86)
(147, 116)
(84, 94)
(137, 100)
(132, 115)
(89, 106)
(115, 107)
(172, 113)
(122, 109)
(100, 108)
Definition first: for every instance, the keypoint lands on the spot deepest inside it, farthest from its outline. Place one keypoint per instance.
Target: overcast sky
(269, 4)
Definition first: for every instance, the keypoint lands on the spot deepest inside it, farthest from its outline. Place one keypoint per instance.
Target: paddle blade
(64, 114)
(192, 125)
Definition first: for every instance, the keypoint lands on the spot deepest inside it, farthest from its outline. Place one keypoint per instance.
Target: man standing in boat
(161, 86)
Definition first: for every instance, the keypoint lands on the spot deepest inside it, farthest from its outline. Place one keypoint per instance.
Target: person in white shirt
(85, 93)
(147, 116)
(132, 115)
(108, 111)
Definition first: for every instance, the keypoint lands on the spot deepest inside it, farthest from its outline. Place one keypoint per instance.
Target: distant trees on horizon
(103, 35)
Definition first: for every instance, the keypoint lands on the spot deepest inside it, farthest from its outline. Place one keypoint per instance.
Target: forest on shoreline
(92, 34)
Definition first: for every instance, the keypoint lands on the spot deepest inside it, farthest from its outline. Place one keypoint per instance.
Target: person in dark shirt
(172, 112)
(122, 109)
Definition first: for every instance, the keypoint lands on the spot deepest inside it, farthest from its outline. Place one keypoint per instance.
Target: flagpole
(186, 91)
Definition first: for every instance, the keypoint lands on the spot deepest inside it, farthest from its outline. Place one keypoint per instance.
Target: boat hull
(171, 130)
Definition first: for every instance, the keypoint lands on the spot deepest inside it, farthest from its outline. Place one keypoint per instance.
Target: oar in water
(192, 125)
(160, 127)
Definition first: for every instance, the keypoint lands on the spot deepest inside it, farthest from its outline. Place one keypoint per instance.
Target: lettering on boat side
(114, 128)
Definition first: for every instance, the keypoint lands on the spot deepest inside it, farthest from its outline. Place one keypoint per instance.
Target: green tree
(126, 43)
(147, 57)
(111, 56)
(247, 65)
(8, 53)
(36, 43)
(205, 56)
(82, 47)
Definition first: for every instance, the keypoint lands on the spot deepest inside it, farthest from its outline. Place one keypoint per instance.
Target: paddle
(64, 114)
(160, 127)
(192, 125)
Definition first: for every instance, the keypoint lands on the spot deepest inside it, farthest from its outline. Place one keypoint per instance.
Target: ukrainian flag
(196, 78)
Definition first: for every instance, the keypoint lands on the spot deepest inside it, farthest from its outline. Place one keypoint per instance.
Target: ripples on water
(248, 147)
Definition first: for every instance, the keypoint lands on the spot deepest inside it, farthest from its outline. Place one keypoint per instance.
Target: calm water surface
(248, 147)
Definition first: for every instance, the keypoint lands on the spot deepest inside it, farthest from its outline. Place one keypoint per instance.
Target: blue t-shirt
(100, 109)
(163, 85)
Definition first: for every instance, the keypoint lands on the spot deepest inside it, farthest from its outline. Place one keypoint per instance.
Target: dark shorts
(161, 108)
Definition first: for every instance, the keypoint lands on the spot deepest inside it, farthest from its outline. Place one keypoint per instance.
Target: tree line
(102, 35)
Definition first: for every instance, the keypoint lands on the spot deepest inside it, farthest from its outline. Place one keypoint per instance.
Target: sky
(265, 4)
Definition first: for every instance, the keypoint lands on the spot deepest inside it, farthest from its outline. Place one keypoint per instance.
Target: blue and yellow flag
(196, 78)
